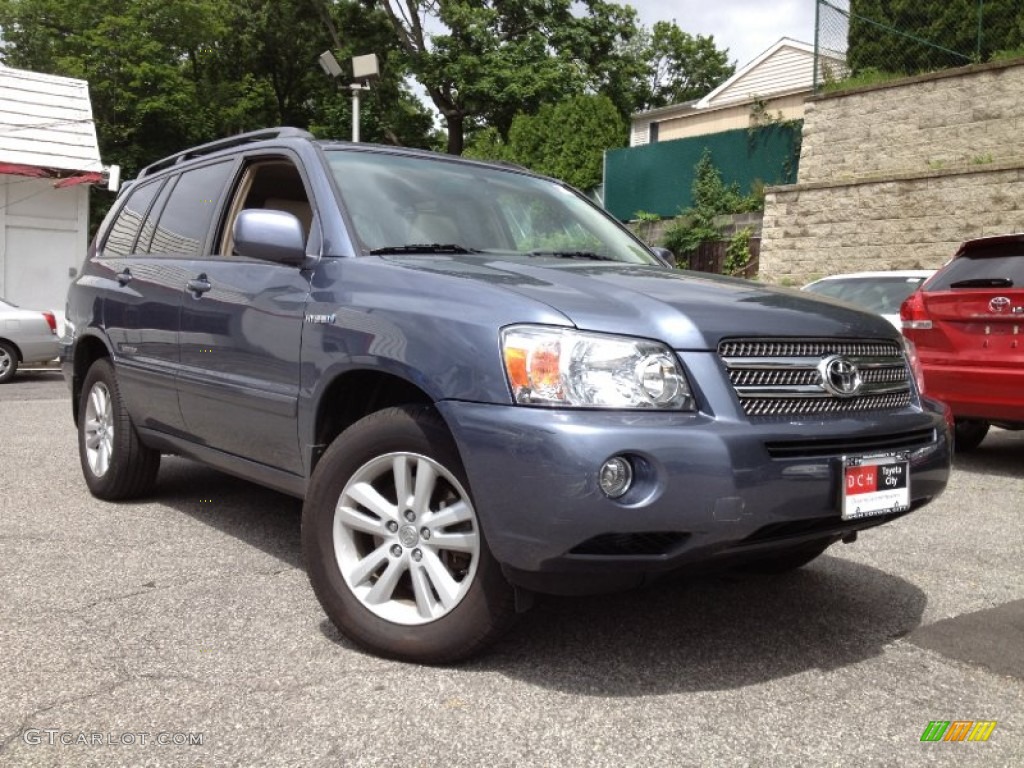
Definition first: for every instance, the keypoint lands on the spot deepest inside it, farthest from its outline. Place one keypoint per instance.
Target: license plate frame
(874, 484)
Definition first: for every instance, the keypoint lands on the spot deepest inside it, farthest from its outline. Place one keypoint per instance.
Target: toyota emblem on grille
(999, 304)
(839, 376)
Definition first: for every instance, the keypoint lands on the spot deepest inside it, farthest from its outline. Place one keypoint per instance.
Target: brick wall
(896, 176)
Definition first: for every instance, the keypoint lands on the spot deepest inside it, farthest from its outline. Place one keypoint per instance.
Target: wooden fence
(710, 257)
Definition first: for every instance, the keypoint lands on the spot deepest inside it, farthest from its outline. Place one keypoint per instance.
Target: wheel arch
(88, 350)
(354, 394)
(12, 343)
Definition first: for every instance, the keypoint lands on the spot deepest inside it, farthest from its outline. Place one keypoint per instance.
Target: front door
(241, 332)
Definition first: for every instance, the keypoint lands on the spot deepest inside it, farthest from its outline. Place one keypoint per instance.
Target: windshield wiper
(589, 255)
(424, 248)
(984, 282)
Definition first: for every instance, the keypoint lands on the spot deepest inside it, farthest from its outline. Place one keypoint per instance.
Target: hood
(686, 310)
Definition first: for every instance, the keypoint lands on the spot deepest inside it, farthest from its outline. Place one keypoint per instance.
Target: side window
(271, 184)
(145, 242)
(125, 229)
(185, 220)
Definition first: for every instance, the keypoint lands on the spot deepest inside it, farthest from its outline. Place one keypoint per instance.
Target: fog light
(615, 477)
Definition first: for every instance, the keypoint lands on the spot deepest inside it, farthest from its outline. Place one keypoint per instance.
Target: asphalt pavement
(181, 631)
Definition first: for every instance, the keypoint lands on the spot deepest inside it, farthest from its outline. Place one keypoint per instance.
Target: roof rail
(216, 146)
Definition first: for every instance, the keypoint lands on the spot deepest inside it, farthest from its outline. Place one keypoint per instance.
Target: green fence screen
(657, 178)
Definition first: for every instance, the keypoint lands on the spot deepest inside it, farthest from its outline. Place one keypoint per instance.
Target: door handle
(199, 285)
(124, 277)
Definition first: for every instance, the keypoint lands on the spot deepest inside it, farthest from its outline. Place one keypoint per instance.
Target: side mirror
(270, 235)
(665, 255)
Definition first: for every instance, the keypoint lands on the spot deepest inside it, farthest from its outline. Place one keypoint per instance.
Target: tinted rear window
(185, 221)
(124, 230)
(992, 263)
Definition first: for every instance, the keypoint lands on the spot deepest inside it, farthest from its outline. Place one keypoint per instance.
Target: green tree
(167, 74)
(712, 198)
(911, 36)
(680, 66)
(492, 59)
(565, 140)
(146, 62)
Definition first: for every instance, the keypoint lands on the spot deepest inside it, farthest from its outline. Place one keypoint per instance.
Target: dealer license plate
(875, 485)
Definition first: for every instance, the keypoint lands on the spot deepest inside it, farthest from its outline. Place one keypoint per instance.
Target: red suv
(967, 323)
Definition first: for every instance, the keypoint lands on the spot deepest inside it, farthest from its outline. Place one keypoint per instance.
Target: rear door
(141, 305)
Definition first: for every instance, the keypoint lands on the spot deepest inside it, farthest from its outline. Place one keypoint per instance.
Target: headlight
(562, 367)
(914, 362)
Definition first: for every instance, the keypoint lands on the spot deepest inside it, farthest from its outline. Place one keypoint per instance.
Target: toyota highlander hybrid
(481, 385)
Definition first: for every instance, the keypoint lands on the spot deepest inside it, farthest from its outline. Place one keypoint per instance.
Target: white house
(48, 159)
(777, 82)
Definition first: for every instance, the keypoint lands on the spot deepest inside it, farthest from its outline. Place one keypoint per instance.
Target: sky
(746, 27)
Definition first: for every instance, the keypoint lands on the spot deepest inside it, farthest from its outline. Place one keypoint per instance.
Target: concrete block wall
(896, 176)
(943, 121)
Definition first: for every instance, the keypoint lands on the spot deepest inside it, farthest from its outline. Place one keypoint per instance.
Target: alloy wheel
(406, 538)
(99, 429)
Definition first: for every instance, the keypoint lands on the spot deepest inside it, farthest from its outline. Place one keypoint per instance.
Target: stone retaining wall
(896, 176)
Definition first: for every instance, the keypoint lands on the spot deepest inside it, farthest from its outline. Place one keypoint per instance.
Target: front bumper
(706, 489)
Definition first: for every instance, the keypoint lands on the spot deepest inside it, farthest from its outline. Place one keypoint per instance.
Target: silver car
(26, 336)
(879, 292)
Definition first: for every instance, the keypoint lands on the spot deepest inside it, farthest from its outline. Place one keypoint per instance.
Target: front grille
(782, 377)
(818, 447)
(631, 544)
(822, 405)
(805, 348)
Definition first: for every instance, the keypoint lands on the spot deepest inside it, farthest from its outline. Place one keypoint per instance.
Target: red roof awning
(82, 178)
(63, 178)
(14, 169)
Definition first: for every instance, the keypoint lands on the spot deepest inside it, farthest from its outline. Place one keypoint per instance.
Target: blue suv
(481, 385)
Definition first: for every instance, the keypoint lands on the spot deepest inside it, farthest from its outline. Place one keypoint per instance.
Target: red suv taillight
(913, 314)
(51, 321)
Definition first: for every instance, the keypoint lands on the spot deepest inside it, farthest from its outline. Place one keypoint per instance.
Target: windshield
(406, 204)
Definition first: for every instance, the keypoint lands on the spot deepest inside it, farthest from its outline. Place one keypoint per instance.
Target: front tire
(393, 545)
(8, 362)
(115, 463)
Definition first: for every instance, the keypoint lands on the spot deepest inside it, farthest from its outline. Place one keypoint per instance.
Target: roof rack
(228, 143)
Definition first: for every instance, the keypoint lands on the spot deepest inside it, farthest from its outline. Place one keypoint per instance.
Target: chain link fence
(864, 41)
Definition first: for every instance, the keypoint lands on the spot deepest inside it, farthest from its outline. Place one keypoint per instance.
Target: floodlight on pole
(364, 69)
(329, 64)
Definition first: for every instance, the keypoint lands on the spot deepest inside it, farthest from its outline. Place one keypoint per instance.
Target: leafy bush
(737, 255)
(711, 198)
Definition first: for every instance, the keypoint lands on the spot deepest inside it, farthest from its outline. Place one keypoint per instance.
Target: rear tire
(968, 434)
(393, 545)
(8, 362)
(115, 463)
